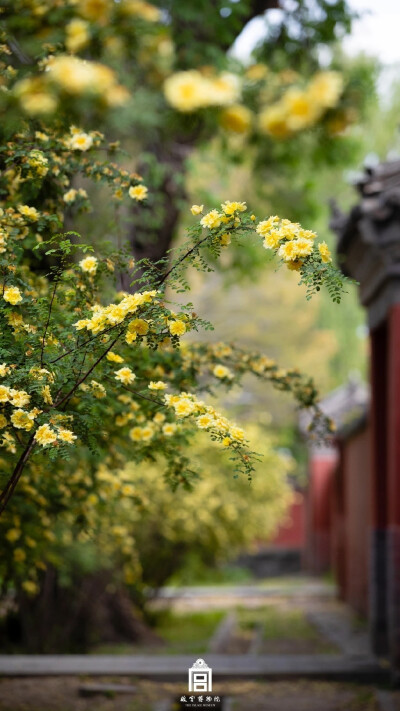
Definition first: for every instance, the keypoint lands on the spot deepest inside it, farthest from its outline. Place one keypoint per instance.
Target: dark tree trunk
(151, 235)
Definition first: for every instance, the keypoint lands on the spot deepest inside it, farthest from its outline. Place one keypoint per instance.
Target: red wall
(291, 533)
(318, 548)
(356, 463)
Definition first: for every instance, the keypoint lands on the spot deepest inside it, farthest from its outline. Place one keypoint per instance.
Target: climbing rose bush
(90, 374)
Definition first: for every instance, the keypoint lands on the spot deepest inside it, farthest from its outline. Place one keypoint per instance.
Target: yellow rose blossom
(230, 208)
(4, 370)
(302, 110)
(147, 433)
(138, 192)
(236, 118)
(30, 212)
(125, 376)
(46, 395)
(324, 252)
(114, 357)
(196, 209)
(81, 142)
(304, 246)
(13, 295)
(89, 264)
(77, 32)
(184, 407)
(187, 91)
(288, 250)
(159, 418)
(273, 121)
(4, 393)
(169, 429)
(140, 326)
(224, 89)
(45, 435)
(142, 9)
(19, 555)
(263, 228)
(30, 587)
(211, 220)
(65, 435)
(177, 328)
(70, 196)
(13, 534)
(237, 433)
(157, 385)
(78, 76)
(226, 441)
(3, 422)
(21, 420)
(135, 434)
(205, 421)
(19, 398)
(325, 88)
(220, 371)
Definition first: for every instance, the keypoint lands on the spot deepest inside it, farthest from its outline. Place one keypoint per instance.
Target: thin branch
(135, 392)
(15, 476)
(81, 380)
(182, 259)
(56, 282)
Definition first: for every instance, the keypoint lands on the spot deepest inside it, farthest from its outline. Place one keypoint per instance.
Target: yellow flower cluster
(300, 108)
(207, 418)
(113, 314)
(292, 242)
(45, 435)
(38, 162)
(214, 218)
(71, 195)
(191, 90)
(72, 75)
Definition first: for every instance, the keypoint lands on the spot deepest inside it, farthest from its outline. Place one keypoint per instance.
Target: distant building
(354, 494)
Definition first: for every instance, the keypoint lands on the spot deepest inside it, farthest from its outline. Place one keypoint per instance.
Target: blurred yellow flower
(236, 118)
(169, 429)
(138, 192)
(157, 385)
(139, 8)
(302, 109)
(77, 32)
(221, 371)
(125, 376)
(30, 212)
(187, 91)
(81, 142)
(196, 209)
(325, 88)
(273, 121)
(324, 252)
(89, 264)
